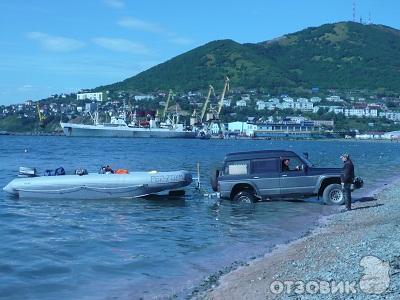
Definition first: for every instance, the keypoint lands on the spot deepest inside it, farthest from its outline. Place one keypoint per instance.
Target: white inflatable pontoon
(97, 186)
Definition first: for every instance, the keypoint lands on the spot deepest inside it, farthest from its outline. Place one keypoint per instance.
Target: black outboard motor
(59, 171)
(81, 172)
(106, 170)
(48, 173)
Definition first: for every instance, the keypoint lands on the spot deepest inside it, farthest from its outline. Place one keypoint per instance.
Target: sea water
(153, 247)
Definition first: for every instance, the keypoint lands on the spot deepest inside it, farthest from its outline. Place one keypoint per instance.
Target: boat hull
(98, 186)
(122, 131)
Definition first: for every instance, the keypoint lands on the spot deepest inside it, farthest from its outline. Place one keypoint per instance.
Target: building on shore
(302, 129)
(242, 128)
(394, 116)
(361, 111)
(324, 123)
(393, 135)
(91, 96)
(371, 136)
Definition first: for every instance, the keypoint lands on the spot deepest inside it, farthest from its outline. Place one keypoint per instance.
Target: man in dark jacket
(347, 179)
(286, 165)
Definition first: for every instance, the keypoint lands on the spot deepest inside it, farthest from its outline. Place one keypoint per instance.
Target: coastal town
(250, 113)
(202, 150)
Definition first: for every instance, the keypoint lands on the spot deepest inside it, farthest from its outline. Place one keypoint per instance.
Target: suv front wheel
(333, 195)
(245, 197)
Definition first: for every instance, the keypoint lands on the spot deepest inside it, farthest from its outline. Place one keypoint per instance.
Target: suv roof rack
(258, 154)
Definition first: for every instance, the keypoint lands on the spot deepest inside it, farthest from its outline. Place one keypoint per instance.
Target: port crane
(170, 96)
(221, 101)
(204, 109)
(217, 111)
(41, 116)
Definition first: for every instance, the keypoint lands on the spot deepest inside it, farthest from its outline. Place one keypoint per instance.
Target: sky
(54, 46)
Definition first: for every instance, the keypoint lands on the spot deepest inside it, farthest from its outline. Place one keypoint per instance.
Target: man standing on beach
(347, 179)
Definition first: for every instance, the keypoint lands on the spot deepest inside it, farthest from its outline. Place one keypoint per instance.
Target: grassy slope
(341, 55)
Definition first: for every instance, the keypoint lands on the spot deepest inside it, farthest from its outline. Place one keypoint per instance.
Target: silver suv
(260, 175)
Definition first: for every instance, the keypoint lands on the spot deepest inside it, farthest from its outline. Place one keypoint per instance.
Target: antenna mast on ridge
(354, 11)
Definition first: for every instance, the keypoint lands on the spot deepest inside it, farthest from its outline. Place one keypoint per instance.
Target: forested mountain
(345, 55)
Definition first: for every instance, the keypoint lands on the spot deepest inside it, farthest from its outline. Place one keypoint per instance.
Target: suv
(259, 175)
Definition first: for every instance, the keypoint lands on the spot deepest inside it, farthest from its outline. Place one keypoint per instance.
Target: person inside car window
(285, 165)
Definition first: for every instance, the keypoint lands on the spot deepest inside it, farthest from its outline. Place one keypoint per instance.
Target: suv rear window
(264, 166)
(237, 168)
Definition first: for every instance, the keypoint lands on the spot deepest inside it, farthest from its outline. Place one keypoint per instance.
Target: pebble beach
(352, 254)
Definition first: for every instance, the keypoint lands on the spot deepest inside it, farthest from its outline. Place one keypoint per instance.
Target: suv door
(264, 174)
(295, 180)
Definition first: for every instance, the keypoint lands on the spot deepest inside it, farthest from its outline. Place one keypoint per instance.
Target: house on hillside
(241, 103)
(394, 116)
(315, 99)
(88, 96)
(334, 99)
(227, 102)
(261, 105)
(274, 101)
(288, 100)
(246, 97)
(143, 97)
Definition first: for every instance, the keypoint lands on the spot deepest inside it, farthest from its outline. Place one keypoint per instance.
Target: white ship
(119, 128)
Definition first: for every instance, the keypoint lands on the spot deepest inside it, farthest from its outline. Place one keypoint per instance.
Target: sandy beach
(352, 254)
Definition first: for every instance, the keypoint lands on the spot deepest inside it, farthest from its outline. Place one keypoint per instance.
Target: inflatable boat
(96, 186)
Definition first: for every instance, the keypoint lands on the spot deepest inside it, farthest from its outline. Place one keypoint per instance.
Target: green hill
(344, 55)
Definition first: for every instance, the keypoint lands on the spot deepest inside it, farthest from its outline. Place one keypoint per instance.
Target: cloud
(26, 88)
(118, 4)
(56, 43)
(138, 24)
(141, 25)
(121, 45)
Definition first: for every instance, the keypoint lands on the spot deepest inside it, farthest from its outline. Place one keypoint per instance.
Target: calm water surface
(127, 249)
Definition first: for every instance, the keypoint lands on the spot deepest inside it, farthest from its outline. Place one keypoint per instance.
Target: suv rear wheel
(245, 197)
(333, 195)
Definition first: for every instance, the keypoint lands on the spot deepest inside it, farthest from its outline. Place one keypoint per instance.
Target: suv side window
(294, 164)
(259, 166)
(237, 167)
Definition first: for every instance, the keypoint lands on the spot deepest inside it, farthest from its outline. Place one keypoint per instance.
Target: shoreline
(29, 133)
(306, 258)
